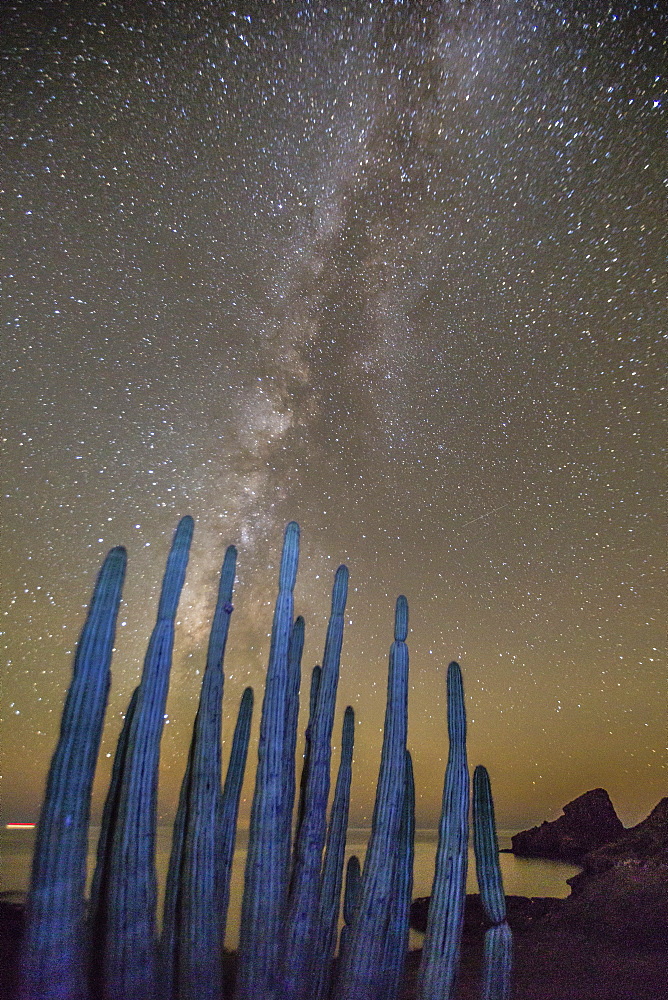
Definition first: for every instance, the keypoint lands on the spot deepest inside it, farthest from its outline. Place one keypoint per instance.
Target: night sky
(394, 271)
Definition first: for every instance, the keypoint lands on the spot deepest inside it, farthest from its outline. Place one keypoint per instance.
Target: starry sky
(394, 270)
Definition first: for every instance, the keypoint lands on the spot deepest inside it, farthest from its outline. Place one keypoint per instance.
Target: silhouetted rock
(647, 841)
(588, 822)
(625, 904)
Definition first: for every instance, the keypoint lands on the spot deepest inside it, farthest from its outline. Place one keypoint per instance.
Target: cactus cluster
(295, 858)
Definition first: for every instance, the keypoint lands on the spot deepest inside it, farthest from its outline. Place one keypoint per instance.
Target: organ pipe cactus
(263, 904)
(192, 901)
(498, 938)
(53, 963)
(497, 962)
(107, 826)
(228, 807)
(332, 872)
(306, 762)
(351, 894)
(127, 884)
(363, 975)
(302, 918)
(291, 720)
(442, 943)
(396, 940)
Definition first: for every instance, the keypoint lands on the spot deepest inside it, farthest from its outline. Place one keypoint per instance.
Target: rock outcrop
(647, 842)
(588, 822)
(626, 904)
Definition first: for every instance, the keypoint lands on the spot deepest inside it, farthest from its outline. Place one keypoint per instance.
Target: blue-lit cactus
(263, 905)
(191, 943)
(306, 760)
(228, 807)
(291, 721)
(302, 915)
(363, 975)
(332, 869)
(396, 939)
(126, 886)
(497, 962)
(54, 959)
(442, 943)
(351, 895)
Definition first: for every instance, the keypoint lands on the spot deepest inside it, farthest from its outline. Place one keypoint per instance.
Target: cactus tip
(401, 619)
(340, 590)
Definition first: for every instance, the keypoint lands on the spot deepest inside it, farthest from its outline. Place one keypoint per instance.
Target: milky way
(395, 271)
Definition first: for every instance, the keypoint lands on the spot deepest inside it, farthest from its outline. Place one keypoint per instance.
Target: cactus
(396, 941)
(53, 961)
(497, 961)
(441, 950)
(228, 807)
(306, 761)
(266, 878)
(169, 939)
(195, 961)
(291, 720)
(100, 872)
(363, 975)
(332, 871)
(127, 884)
(302, 918)
(351, 895)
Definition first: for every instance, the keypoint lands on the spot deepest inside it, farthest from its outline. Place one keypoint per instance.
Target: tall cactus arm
(486, 847)
(302, 916)
(198, 967)
(442, 943)
(306, 760)
(129, 948)
(263, 903)
(396, 941)
(291, 721)
(228, 806)
(363, 975)
(332, 872)
(53, 960)
(497, 961)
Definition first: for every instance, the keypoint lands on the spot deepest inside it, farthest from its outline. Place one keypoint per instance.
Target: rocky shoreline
(608, 940)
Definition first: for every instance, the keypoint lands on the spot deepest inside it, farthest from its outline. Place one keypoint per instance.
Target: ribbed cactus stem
(363, 974)
(332, 871)
(169, 939)
(351, 894)
(486, 848)
(396, 940)
(442, 944)
(228, 806)
(352, 889)
(128, 898)
(53, 960)
(497, 961)
(263, 904)
(97, 912)
(193, 865)
(302, 918)
(291, 722)
(306, 760)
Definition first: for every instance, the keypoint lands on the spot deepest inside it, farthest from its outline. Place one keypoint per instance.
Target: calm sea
(521, 876)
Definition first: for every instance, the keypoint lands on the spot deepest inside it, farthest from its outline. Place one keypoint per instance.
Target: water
(521, 876)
